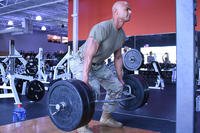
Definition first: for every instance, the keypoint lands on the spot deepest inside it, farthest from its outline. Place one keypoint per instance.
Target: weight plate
(133, 60)
(35, 90)
(18, 85)
(31, 68)
(76, 110)
(139, 89)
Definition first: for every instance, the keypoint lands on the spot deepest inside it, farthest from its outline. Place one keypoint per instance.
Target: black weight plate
(1, 83)
(35, 90)
(146, 89)
(52, 82)
(31, 68)
(90, 101)
(139, 89)
(73, 115)
(88, 109)
(19, 85)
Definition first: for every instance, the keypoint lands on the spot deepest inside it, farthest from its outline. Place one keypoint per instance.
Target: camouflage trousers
(99, 75)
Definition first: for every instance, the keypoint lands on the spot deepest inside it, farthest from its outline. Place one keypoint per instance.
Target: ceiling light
(38, 18)
(10, 23)
(43, 28)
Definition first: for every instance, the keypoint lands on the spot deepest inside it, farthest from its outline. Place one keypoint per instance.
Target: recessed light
(38, 18)
(10, 23)
(43, 28)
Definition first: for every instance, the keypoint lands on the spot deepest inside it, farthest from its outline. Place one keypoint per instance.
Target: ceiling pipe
(10, 30)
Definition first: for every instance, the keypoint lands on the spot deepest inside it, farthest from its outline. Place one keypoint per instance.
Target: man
(104, 39)
(150, 58)
(165, 58)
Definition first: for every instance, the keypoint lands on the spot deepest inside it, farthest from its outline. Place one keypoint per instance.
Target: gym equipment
(62, 66)
(31, 68)
(35, 90)
(160, 80)
(13, 81)
(40, 67)
(8, 76)
(138, 88)
(35, 67)
(71, 103)
(19, 85)
(133, 59)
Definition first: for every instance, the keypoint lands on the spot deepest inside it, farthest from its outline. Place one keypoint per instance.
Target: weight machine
(40, 73)
(32, 88)
(8, 74)
(160, 80)
(63, 65)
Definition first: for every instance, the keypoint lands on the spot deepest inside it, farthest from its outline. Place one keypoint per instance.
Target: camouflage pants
(99, 75)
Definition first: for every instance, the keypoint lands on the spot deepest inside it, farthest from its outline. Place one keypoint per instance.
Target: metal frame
(75, 25)
(160, 81)
(11, 75)
(60, 65)
(41, 75)
(185, 66)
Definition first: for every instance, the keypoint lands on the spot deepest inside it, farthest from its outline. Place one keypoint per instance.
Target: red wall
(148, 16)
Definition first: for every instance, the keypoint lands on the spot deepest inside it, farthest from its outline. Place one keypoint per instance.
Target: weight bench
(160, 80)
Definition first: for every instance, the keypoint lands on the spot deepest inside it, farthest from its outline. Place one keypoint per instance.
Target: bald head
(121, 11)
(117, 5)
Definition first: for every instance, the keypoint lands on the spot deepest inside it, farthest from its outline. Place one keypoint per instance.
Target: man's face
(124, 12)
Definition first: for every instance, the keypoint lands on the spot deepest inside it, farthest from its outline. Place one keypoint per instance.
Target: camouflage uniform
(99, 75)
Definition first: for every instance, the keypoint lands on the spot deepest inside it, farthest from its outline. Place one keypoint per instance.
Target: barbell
(71, 103)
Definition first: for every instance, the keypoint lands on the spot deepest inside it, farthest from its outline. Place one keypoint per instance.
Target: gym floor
(159, 115)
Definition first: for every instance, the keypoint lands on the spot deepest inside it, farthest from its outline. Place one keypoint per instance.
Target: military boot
(84, 129)
(107, 120)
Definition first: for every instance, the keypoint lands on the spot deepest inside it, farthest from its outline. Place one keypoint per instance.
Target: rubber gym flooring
(158, 115)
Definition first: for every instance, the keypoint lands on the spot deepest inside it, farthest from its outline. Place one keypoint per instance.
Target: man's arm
(118, 64)
(90, 50)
